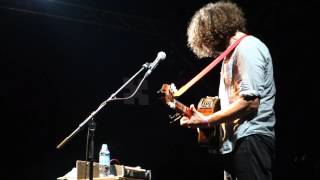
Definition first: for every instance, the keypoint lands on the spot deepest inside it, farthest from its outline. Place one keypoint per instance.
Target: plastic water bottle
(104, 161)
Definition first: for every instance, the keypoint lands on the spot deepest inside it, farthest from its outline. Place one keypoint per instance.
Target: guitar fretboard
(183, 109)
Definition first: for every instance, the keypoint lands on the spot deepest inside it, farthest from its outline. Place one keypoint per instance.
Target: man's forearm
(240, 108)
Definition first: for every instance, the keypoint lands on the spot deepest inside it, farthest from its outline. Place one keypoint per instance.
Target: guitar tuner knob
(171, 116)
(174, 116)
(176, 119)
(173, 88)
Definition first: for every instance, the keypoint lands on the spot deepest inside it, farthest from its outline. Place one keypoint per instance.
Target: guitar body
(209, 137)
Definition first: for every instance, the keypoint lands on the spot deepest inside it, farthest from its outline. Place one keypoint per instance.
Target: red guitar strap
(185, 87)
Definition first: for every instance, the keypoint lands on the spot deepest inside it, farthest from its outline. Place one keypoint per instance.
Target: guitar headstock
(167, 94)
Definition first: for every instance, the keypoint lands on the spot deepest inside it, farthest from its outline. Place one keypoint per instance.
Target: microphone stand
(92, 125)
(90, 147)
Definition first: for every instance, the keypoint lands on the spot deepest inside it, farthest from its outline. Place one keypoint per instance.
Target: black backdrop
(61, 59)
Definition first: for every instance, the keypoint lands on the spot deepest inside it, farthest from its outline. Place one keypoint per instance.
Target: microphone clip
(146, 65)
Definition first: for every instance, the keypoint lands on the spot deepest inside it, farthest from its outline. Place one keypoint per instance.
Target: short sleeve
(251, 62)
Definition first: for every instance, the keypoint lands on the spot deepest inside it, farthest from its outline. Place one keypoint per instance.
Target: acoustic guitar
(207, 105)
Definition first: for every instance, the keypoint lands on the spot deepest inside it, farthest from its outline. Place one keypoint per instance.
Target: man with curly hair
(246, 91)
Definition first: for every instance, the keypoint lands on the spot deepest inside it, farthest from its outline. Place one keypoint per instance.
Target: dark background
(61, 59)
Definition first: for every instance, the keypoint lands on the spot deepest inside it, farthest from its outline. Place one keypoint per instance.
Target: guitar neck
(185, 110)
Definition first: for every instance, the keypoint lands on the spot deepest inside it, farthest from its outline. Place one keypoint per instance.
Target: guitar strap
(185, 87)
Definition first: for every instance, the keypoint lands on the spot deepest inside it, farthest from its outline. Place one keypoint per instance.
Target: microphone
(160, 57)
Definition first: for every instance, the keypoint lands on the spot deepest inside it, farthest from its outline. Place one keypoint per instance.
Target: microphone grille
(161, 55)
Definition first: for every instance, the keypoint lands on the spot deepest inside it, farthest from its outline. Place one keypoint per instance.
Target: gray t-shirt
(248, 72)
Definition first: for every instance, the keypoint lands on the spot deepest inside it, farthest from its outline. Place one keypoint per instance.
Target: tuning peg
(175, 117)
(173, 88)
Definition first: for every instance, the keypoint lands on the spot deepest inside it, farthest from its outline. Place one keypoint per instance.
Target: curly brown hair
(212, 26)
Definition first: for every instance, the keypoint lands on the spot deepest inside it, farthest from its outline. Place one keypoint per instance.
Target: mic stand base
(90, 147)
